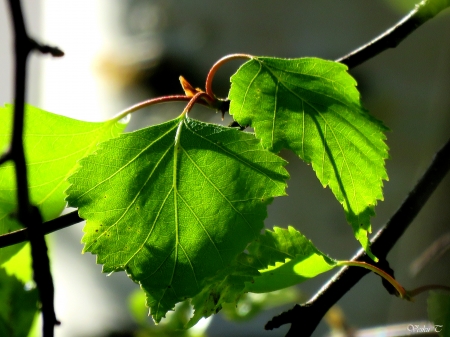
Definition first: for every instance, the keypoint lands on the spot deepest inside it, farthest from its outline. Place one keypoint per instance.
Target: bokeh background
(119, 52)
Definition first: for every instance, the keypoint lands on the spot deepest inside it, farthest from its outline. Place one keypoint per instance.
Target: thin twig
(48, 227)
(29, 215)
(393, 36)
(44, 49)
(305, 318)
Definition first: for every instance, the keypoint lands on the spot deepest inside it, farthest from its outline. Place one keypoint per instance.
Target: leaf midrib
(245, 162)
(324, 119)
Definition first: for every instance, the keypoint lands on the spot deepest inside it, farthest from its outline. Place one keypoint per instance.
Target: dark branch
(27, 214)
(393, 36)
(305, 318)
(44, 49)
(48, 227)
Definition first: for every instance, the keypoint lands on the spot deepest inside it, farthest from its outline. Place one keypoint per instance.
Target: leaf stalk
(427, 287)
(401, 291)
(217, 65)
(149, 102)
(194, 100)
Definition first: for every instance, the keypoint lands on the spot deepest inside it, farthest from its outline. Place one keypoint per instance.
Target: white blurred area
(72, 86)
(85, 303)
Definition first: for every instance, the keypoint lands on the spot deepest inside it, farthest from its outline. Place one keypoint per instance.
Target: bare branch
(44, 49)
(305, 318)
(393, 36)
(48, 227)
(29, 215)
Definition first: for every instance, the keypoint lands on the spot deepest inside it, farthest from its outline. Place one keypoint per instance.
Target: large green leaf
(285, 257)
(18, 306)
(439, 312)
(312, 107)
(53, 145)
(173, 203)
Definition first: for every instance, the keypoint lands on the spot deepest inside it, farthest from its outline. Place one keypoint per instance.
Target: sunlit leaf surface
(285, 257)
(312, 107)
(53, 145)
(174, 203)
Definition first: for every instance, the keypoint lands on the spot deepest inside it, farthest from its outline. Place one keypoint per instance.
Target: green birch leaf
(173, 203)
(439, 312)
(53, 145)
(19, 306)
(285, 257)
(312, 107)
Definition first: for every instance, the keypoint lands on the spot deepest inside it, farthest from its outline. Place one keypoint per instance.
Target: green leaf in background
(172, 326)
(312, 107)
(18, 307)
(174, 203)
(227, 286)
(439, 312)
(286, 257)
(250, 305)
(53, 145)
(19, 266)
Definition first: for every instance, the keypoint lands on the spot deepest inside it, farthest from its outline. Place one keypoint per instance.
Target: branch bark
(48, 227)
(27, 214)
(305, 318)
(391, 38)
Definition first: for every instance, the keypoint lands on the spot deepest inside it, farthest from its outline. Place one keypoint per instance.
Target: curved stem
(427, 287)
(194, 100)
(153, 101)
(217, 65)
(403, 293)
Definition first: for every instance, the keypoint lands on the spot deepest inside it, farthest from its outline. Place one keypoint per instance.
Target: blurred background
(120, 52)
